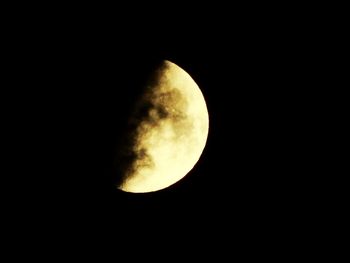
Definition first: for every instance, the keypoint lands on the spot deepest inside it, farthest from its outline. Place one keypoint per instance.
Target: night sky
(249, 182)
(246, 170)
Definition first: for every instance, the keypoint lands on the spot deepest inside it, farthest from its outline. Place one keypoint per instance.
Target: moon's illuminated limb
(172, 136)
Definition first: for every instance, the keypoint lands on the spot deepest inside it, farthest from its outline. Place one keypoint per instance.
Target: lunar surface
(171, 126)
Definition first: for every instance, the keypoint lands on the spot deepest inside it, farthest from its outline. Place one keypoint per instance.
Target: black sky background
(250, 182)
(246, 173)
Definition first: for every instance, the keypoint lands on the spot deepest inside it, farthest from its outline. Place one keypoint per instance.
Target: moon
(171, 124)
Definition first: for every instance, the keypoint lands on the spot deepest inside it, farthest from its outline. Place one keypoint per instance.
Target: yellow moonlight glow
(170, 140)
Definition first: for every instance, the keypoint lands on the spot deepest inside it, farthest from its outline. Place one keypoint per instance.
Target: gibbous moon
(170, 136)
